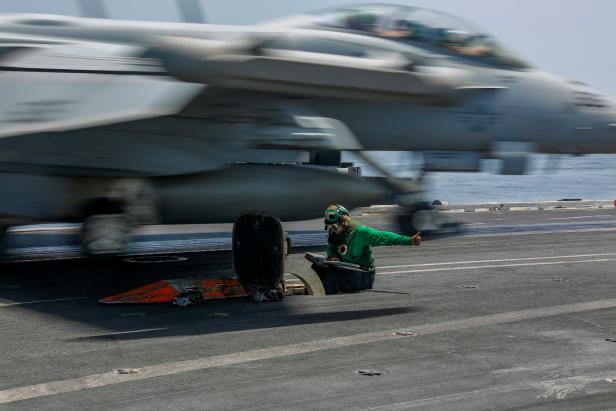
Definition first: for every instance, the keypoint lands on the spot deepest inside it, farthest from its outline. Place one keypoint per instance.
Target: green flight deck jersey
(355, 244)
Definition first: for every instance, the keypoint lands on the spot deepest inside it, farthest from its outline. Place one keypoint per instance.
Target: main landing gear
(108, 230)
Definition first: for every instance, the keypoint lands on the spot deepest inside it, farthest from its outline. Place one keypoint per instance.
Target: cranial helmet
(334, 214)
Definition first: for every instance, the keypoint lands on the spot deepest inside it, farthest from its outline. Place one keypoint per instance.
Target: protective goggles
(332, 217)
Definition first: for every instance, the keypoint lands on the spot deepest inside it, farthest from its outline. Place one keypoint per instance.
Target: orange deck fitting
(167, 291)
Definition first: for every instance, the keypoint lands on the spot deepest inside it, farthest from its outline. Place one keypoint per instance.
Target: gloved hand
(416, 241)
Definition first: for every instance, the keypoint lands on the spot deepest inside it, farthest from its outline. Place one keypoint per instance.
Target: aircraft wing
(51, 85)
(289, 61)
(55, 85)
(183, 105)
(79, 108)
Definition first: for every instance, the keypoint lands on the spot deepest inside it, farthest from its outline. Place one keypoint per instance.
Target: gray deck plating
(490, 321)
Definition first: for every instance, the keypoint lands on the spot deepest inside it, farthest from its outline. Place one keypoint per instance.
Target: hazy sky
(572, 38)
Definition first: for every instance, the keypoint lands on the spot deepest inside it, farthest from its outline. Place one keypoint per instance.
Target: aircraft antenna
(191, 11)
(93, 8)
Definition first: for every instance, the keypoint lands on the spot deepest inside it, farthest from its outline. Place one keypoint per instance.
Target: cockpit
(423, 28)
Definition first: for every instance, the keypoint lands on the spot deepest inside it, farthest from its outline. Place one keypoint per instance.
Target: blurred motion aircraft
(118, 123)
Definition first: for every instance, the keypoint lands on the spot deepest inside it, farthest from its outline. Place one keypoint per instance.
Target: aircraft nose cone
(612, 114)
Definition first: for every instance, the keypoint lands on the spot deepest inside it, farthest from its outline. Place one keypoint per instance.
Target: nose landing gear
(422, 217)
(415, 215)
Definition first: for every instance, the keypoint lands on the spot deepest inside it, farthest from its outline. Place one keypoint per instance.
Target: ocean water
(551, 178)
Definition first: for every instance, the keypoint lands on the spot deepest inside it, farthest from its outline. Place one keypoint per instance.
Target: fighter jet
(121, 123)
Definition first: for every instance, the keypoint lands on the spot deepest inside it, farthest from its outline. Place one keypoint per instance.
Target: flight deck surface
(518, 312)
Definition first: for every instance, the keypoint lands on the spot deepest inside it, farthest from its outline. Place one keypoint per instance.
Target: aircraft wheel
(106, 234)
(419, 217)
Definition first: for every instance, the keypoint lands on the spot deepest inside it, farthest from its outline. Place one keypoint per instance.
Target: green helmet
(334, 214)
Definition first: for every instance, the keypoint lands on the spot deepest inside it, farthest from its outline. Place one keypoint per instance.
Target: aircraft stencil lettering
(479, 119)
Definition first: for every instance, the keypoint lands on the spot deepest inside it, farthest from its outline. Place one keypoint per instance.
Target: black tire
(106, 235)
(103, 208)
(259, 250)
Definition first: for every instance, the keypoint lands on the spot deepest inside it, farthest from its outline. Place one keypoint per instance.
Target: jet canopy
(428, 29)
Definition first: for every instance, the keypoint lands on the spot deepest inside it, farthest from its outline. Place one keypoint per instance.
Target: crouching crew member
(351, 242)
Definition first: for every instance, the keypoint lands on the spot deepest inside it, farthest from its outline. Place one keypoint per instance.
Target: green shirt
(360, 239)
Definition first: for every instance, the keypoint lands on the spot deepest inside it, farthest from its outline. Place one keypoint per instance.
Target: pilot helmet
(456, 37)
(362, 21)
(334, 215)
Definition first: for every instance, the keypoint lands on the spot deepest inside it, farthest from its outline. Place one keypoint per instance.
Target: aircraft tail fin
(191, 11)
(93, 8)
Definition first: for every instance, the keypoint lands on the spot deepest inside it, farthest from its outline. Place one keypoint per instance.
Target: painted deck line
(2, 305)
(499, 261)
(146, 330)
(480, 267)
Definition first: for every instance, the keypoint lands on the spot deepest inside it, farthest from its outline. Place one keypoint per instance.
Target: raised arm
(382, 238)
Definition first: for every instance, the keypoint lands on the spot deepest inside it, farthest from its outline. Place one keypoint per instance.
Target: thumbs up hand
(416, 241)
